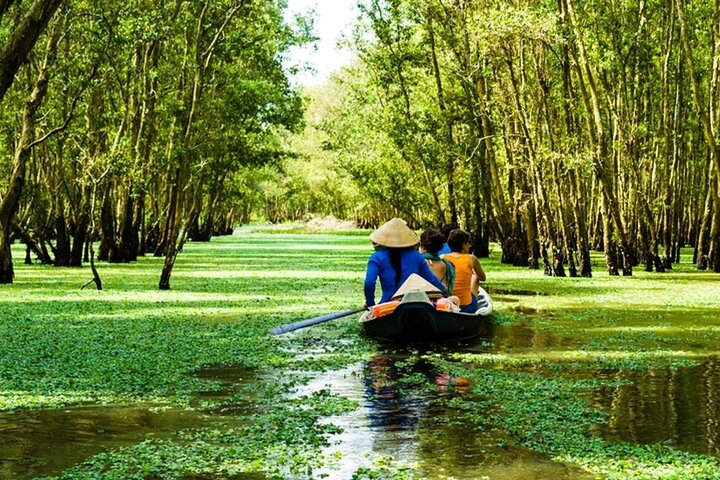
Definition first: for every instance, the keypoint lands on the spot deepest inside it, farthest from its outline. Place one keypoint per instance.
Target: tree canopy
(130, 121)
(552, 127)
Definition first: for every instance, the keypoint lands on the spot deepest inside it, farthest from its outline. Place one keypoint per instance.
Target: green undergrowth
(64, 345)
(130, 342)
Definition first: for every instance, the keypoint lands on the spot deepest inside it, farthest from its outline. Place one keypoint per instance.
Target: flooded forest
(170, 194)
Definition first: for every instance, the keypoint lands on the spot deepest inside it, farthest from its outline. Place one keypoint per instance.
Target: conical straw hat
(416, 282)
(395, 234)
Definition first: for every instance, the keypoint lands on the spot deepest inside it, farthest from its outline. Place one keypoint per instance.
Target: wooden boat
(416, 320)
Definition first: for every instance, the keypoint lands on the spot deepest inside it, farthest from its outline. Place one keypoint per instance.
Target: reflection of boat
(391, 406)
(415, 319)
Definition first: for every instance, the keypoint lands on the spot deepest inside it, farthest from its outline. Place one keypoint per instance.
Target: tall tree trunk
(108, 249)
(11, 199)
(22, 39)
(81, 233)
(175, 217)
(666, 124)
(62, 241)
(203, 55)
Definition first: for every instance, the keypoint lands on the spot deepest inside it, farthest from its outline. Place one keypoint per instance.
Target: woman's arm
(477, 268)
(371, 275)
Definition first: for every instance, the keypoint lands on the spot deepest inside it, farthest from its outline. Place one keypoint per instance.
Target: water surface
(403, 413)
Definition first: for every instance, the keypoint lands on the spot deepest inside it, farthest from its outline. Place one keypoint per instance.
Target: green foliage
(62, 345)
(131, 343)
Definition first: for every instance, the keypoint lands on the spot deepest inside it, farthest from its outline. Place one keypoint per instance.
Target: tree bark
(11, 199)
(23, 38)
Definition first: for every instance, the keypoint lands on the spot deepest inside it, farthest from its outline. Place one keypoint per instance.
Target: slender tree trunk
(81, 234)
(11, 199)
(107, 226)
(62, 241)
(22, 39)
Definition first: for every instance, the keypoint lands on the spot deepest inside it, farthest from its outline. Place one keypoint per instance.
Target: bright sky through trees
(332, 19)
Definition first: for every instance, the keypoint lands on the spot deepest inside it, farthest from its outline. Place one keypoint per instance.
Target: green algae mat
(609, 377)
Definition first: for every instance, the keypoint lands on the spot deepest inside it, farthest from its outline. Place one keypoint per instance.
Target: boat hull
(420, 322)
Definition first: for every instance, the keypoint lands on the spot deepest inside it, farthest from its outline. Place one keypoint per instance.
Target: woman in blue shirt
(395, 259)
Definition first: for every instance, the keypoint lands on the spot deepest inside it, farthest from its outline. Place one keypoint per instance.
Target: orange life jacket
(382, 309)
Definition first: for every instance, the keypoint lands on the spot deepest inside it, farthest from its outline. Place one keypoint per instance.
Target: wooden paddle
(314, 321)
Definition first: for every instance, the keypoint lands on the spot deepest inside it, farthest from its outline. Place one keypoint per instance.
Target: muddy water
(675, 407)
(47, 441)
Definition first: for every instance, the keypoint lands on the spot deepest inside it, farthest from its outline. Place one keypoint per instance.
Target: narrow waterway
(409, 426)
(397, 417)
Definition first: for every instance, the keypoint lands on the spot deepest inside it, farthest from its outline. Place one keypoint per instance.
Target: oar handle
(314, 321)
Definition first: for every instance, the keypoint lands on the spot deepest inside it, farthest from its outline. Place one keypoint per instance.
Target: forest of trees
(554, 127)
(127, 122)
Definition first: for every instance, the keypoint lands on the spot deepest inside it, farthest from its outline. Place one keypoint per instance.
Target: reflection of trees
(711, 380)
(520, 335)
(678, 407)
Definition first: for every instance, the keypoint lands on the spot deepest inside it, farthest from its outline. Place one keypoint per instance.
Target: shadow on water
(680, 408)
(47, 441)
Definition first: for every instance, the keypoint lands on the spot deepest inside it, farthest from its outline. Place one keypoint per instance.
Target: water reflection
(519, 337)
(406, 413)
(46, 442)
(676, 407)
(389, 408)
(227, 380)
